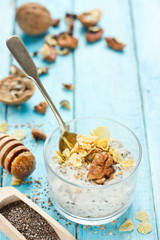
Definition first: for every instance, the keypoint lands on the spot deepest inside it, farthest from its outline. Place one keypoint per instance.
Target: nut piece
(23, 165)
(63, 52)
(66, 40)
(33, 18)
(49, 53)
(100, 166)
(41, 107)
(68, 86)
(42, 70)
(15, 90)
(70, 23)
(16, 71)
(93, 36)
(115, 44)
(65, 104)
(37, 134)
(55, 22)
(90, 18)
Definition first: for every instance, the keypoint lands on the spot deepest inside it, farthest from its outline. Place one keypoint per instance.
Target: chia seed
(28, 222)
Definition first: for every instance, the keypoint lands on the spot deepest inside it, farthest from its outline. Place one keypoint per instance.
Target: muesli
(95, 160)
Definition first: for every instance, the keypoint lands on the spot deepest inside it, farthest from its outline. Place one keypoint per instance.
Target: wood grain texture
(107, 84)
(146, 20)
(109, 87)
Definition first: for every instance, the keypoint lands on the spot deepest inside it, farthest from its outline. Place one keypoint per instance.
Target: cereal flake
(19, 134)
(144, 227)
(3, 127)
(142, 216)
(126, 226)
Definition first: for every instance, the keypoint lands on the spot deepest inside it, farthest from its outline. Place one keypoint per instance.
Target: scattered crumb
(84, 227)
(110, 233)
(19, 134)
(114, 222)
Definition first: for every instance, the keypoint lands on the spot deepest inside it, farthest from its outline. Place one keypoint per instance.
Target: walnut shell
(15, 90)
(33, 18)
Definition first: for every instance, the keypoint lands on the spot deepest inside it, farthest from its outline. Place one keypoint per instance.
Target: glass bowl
(97, 204)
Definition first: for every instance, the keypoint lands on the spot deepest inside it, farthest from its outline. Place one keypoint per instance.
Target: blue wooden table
(123, 86)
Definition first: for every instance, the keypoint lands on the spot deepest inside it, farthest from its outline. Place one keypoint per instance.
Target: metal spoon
(21, 54)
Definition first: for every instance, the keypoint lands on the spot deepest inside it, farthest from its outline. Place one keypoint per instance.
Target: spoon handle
(21, 54)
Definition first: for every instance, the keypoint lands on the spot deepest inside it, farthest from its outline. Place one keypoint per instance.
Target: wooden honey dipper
(15, 157)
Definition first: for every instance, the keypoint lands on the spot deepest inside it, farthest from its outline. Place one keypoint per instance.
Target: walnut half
(100, 167)
(15, 90)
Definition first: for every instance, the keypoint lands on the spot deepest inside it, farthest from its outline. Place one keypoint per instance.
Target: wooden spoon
(9, 195)
(21, 54)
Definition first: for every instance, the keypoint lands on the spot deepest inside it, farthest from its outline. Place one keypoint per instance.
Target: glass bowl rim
(89, 186)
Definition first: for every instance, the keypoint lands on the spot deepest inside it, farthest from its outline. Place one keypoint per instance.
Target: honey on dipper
(15, 157)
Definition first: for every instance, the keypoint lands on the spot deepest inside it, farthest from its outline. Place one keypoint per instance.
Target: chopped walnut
(90, 18)
(55, 22)
(70, 22)
(66, 40)
(68, 86)
(93, 36)
(100, 166)
(63, 52)
(49, 53)
(41, 107)
(115, 44)
(37, 134)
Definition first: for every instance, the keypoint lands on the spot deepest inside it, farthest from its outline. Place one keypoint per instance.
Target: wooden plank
(60, 72)
(107, 85)
(146, 36)
(6, 7)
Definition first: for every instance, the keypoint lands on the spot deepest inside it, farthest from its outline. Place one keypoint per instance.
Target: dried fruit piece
(33, 18)
(41, 107)
(115, 44)
(90, 18)
(93, 36)
(19, 134)
(127, 163)
(65, 104)
(50, 40)
(55, 22)
(64, 51)
(100, 166)
(3, 127)
(142, 216)
(42, 70)
(67, 41)
(23, 165)
(144, 227)
(126, 226)
(15, 157)
(15, 90)
(101, 132)
(49, 53)
(68, 86)
(37, 134)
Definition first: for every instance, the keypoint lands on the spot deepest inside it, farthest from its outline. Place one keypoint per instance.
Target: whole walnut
(33, 18)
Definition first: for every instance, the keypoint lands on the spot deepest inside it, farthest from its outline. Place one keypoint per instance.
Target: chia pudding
(90, 170)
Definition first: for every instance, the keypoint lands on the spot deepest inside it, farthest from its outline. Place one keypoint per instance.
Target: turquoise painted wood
(123, 86)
